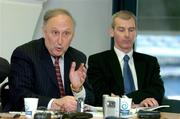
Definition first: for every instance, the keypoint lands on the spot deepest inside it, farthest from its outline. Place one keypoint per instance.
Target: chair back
(4, 73)
(4, 69)
(4, 94)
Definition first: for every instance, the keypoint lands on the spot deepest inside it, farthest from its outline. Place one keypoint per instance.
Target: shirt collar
(121, 54)
(61, 58)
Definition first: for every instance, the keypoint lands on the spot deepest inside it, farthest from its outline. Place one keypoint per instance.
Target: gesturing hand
(77, 77)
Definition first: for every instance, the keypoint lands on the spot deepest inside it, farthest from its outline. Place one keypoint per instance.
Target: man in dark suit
(105, 69)
(33, 72)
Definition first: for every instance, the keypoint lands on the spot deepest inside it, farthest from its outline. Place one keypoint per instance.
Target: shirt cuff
(50, 103)
(81, 94)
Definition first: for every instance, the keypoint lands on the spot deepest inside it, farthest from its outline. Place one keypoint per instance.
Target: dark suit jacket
(105, 75)
(32, 74)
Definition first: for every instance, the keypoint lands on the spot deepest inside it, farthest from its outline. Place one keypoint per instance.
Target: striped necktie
(58, 76)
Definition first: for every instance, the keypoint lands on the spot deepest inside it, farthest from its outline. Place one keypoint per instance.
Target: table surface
(164, 115)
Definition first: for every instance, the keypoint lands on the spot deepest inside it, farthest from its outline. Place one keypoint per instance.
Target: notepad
(151, 108)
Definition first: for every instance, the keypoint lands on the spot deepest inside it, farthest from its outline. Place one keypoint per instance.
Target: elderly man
(49, 69)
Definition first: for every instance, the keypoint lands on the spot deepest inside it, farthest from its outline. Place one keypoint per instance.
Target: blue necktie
(128, 79)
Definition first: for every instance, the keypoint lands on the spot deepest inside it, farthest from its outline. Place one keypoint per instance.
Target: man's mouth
(59, 48)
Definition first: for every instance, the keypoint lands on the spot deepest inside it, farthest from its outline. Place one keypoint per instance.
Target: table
(164, 115)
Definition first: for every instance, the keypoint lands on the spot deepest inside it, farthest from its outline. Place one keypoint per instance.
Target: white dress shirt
(120, 56)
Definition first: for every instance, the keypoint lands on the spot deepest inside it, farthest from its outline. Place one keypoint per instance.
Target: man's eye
(121, 30)
(67, 33)
(55, 32)
(132, 30)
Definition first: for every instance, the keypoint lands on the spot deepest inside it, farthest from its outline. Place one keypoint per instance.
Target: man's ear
(111, 32)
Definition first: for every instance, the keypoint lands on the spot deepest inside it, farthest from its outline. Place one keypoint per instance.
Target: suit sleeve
(22, 81)
(97, 78)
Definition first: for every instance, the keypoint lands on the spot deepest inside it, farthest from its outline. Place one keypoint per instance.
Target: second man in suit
(106, 71)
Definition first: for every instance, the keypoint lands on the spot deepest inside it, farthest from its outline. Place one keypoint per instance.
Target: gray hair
(123, 14)
(58, 11)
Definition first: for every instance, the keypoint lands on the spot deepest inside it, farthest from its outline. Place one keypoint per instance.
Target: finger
(145, 104)
(84, 68)
(113, 95)
(155, 103)
(150, 103)
(82, 80)
(73, 66)
(81, 67)
(84, 75)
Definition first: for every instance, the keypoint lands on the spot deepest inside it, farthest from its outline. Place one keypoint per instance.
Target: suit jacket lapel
(117, 72)
(140, 68)
(47, 64)
(67, 64)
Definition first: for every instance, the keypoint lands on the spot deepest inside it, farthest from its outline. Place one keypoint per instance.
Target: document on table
(151, 108)
(98, 111)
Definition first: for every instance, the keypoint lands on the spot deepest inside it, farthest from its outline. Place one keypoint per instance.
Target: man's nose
(127, 33)
(60, 38)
